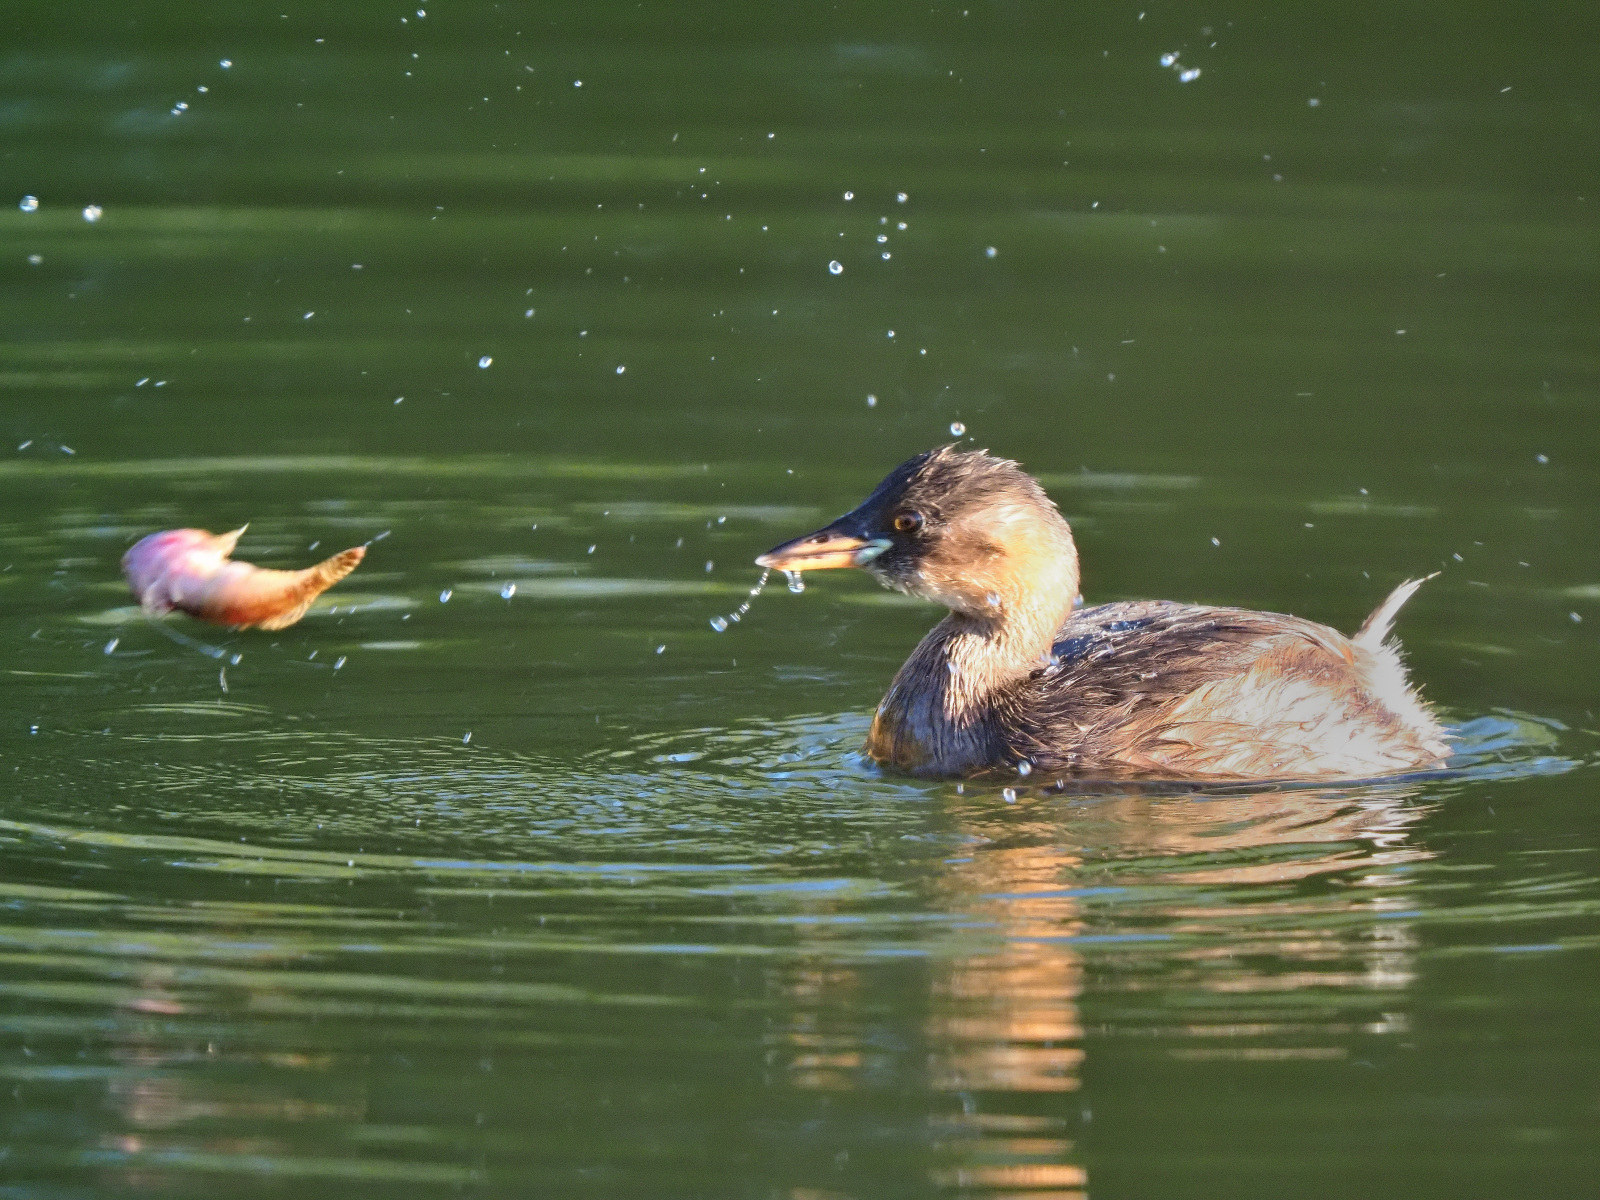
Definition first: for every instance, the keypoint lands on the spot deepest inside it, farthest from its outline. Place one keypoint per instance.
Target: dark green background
(273, 926)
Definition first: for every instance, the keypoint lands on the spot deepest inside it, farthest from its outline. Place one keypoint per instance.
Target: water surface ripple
(505, 873)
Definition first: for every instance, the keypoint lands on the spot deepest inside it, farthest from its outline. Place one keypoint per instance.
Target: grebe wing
(1226, 692)
(1137, 636)
(1134, 656)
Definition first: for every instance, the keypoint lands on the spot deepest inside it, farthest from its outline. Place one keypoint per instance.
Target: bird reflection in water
(174, 1119)
(1180, 900)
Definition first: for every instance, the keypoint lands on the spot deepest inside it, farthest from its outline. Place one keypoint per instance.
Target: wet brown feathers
(1013, 678)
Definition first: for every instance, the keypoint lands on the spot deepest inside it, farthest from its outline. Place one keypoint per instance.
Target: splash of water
(720, 624)
(796, 583)
(184, 639)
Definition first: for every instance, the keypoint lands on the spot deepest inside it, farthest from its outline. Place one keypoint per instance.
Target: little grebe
(1016, 679)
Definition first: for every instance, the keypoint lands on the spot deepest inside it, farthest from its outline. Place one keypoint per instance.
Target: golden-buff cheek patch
(993, 562)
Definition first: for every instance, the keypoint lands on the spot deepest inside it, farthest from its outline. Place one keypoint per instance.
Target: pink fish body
(190, 570)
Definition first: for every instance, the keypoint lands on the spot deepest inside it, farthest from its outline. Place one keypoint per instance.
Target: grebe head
(960, 527)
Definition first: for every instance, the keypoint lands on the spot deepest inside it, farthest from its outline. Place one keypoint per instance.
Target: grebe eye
(907, 521)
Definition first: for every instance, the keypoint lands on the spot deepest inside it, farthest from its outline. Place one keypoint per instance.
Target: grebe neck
(939, 716)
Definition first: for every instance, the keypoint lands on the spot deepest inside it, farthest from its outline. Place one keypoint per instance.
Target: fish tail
(307, 585)
(334, 568)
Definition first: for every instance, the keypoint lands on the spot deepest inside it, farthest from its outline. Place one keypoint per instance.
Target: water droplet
(836, 267)
(1216, 541)
(796, 583)
(444, 596)
(709, 566)
(1541, 458)
(872, 401)
(661, 649)
(1189, 75)
(29, 204)
(1168, 60)
(882, 238)
(483, 363)
(1313, 102)
(957, 428)
(339, 662)
(112, 645)
(464, 741)
(1010, 795)
(92, 213)
(721, 623)
(508, 591)
(992, 599)
(35, 259)
(849, 195)
(620, 370)
(1576, 620)
(226, 63)
(592, 549)
(1024, 768)
(901, 197)
(990, 252)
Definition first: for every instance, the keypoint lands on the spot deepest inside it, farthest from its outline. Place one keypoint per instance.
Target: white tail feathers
(1376, 627)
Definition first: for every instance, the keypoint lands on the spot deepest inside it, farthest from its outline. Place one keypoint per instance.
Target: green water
(561, 892)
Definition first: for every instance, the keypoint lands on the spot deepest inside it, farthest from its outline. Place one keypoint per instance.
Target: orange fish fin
(283, 605)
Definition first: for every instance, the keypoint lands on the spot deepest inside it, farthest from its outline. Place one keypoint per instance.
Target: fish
(192, 571)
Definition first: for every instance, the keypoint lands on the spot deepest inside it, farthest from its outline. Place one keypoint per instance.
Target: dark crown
(945, 480)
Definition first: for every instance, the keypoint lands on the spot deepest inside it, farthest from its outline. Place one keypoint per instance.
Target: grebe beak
(830, 547)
